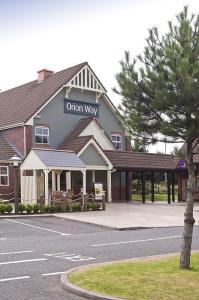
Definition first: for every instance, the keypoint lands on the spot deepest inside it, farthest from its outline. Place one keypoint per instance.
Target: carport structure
(36, 170)
(128, 163)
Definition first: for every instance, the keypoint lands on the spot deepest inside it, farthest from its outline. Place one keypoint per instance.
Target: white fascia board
(30, 121)
(92, 167)
(65, 168)
(92, 142)
(11, 126)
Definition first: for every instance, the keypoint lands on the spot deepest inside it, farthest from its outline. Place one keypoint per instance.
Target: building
(70, 135)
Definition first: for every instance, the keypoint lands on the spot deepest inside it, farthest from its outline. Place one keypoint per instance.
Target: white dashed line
(22, 261)
(14, 278)
(3, 239)
(52, 274)
(138, 241)
(16, 252)
(38, 227)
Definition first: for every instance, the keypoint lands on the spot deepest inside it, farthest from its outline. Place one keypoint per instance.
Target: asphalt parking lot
(34, 252)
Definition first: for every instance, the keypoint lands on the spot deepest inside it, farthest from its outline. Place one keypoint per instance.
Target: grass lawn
(158, 197)
(159, 279)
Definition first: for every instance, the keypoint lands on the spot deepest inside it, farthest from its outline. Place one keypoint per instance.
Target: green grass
(157, 197)
(159, 279)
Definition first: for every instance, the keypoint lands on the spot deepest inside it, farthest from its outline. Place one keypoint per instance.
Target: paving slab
(131, 215)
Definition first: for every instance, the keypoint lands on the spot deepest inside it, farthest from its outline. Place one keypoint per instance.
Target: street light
(15, 161)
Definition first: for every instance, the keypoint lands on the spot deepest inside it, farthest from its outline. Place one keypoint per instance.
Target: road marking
(3, 239)
(51, 274)
(16, 252)
(70, 256)
(138, 241)
(14, 278)
(38, 227)
(22, 261)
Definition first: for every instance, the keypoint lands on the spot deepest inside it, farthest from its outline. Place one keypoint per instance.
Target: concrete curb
(13, 216)
(85, 294)
(75, 290)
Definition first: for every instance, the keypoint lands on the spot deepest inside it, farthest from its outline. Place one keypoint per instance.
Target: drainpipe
(24, 138)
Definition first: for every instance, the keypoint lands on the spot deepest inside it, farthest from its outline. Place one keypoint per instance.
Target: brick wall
(16, 136)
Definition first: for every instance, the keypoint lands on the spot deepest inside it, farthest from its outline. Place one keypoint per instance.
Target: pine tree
(160, 97)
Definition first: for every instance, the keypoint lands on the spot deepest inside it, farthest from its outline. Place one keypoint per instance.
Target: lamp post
(15, 161)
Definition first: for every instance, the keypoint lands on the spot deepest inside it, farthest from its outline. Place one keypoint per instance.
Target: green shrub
(21, 207)
(88, 205)
(52, 208)
(76, 207)
(36, 208)
(69, 207)
(2, 208)
(95, 206)
(46, 208)
(58, 208)
(29, 208)
(9, 208)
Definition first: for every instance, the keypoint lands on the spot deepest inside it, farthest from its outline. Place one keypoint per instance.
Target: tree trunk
(188, 215)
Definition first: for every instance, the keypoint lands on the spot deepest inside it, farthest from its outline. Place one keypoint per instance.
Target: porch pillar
(34, 186)
(58, 182)
(93, 176)
(179, 187)
(53, 181)
(143, 186)
(169, 187)
(84, 182)
(68, 180)
(152, 187)
(173, 186)
(22, 186)
(46, 186)
(109, 186)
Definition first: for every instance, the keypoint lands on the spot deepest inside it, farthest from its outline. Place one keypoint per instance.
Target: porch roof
(52, 159)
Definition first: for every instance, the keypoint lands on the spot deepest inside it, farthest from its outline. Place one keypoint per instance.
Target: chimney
(43, 74)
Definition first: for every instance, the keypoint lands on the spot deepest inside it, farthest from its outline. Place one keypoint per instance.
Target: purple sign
(181, 164)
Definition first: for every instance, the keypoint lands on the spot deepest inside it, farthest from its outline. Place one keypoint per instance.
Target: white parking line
(14, 278)
(52, 274)
(138, 241)
(38, 227)
(16, 252)
(22, 261)
(3, 239)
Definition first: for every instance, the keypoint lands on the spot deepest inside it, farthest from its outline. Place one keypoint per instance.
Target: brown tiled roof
(76, 144)
(17, 105)
(139, 160)
(6, 150)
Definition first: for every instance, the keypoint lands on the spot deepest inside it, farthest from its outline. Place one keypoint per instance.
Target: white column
(22, 186)
(109, 185)
(46, 186)
(58, 182)
(34, 186)
(68, 180)
(53, 181)
(84, 182)
(93, 176)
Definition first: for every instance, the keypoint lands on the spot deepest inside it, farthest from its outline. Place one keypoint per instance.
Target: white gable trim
(86, 79)
(32, 162)
(94, 129)
(92, 142)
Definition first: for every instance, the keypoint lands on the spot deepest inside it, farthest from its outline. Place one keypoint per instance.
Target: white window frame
(42, 135)
(117, 143)
(2, 175)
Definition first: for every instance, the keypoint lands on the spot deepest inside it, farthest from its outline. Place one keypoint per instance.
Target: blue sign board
(81, 108)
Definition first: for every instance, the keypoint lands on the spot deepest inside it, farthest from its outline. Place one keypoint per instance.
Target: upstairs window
(41, 135)
(117, 140)
(4, 176)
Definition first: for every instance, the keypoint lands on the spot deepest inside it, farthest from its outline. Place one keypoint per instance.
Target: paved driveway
(135, 215)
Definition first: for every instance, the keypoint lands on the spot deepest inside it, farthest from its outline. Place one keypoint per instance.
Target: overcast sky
(51, 34)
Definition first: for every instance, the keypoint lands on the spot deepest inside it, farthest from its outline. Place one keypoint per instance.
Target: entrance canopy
(41, 159)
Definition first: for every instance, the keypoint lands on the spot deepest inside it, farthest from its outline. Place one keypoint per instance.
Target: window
(42, 135)
(117, 140)
(4, 176)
